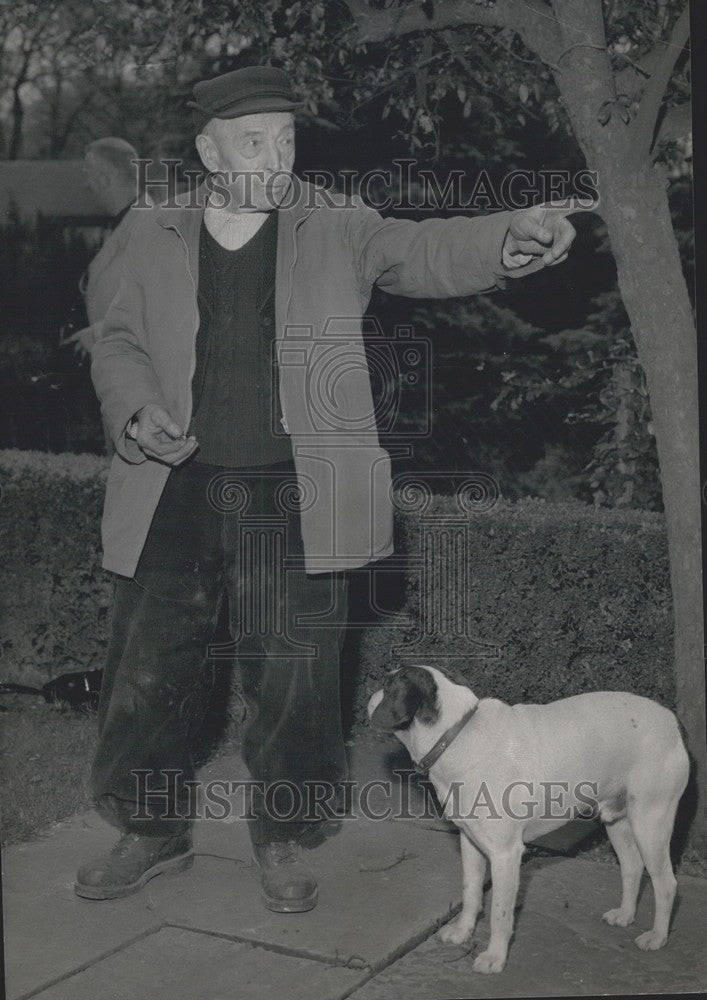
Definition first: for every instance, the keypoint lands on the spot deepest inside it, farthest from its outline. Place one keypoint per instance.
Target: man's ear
(410, 693)
(208, 152)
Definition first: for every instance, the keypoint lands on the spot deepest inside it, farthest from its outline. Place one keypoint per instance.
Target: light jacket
(330, 253)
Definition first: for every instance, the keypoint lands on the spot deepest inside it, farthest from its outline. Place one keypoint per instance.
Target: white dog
(507, 774)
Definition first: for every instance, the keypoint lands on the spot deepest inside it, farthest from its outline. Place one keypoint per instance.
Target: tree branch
(649, 109)
(450, 40)
(325, 123)
(533, 20)
(70, 121)
(584, 54)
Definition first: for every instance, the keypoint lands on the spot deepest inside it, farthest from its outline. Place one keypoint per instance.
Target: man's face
(259, 150)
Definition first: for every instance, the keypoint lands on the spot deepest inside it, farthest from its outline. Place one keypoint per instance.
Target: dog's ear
(409, 693)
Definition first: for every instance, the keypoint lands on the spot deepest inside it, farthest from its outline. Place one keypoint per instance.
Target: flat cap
(248, 91)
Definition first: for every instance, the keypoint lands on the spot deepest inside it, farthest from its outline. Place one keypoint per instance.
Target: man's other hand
(159, 437)
(544, 231)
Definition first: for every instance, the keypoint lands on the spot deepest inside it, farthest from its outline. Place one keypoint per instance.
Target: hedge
(533, 601)
(55, 598)
(559, 598)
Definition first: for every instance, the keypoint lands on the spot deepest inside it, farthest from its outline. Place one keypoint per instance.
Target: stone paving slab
(365, 919)
(175, 964)
(384, 889)
(381, 887)
(561, 947)
(49, 931)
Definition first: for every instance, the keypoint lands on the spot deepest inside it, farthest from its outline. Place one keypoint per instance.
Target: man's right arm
(131, 399)
(121, 367)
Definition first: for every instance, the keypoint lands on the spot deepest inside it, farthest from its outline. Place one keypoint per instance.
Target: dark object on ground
(79, 689)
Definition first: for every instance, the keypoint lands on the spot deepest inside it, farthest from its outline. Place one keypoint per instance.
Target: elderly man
(213, 370)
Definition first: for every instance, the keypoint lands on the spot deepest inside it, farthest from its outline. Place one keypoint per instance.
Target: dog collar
(447, 737)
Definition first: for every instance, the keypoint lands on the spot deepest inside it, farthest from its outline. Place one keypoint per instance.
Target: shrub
(56, 598)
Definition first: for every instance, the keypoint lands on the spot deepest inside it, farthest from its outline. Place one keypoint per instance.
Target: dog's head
(409, 693)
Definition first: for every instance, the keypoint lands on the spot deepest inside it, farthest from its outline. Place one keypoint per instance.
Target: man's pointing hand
(544, 230)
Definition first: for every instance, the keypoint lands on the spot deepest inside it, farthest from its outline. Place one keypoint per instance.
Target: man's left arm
(441, 258)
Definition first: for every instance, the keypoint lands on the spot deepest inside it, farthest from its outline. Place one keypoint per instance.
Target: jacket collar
(185, 215)
(186, 211)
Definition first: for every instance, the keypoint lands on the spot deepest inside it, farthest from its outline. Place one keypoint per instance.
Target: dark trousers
(218, 531)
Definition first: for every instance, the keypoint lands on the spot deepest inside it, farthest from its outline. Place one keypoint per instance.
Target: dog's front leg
(505, 874)
(474, 869)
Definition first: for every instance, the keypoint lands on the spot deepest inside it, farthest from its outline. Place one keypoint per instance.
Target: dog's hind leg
(652, 830)
(631, 863)
(652, 805)
(505, 875)
(474, 869)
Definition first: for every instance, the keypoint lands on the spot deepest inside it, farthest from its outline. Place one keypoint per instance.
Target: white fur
(628, 747)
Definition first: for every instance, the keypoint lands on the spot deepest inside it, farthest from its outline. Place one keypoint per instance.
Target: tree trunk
(18, 112)
(634, 206)
(654, 292)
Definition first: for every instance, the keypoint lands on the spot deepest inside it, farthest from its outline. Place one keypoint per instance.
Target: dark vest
(236, 402)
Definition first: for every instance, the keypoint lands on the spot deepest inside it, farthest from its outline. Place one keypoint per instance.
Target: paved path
(385, 887)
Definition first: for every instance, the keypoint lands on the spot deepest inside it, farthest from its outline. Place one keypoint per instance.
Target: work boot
(133, 861)
(287, 882)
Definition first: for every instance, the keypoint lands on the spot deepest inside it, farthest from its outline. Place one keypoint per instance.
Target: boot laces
(124, 844)
(284, 852)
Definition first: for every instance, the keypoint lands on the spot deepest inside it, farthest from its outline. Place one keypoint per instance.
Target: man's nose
(272, 159)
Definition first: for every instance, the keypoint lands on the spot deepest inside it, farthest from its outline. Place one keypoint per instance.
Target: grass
(47, 753)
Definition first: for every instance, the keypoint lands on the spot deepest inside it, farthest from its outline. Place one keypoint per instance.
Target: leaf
(523, 92)
(604, 114)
